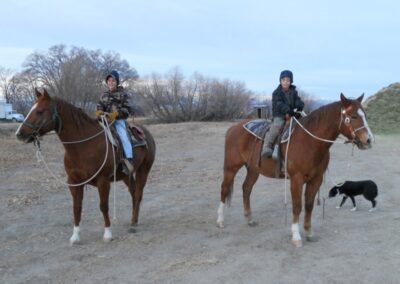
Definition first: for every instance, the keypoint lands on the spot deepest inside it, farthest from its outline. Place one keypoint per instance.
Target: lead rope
(40, 158)
(318, 138)
(104, 123)
(286, 159)
(348, 165)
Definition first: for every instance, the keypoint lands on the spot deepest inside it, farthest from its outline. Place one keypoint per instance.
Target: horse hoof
(338, 207)
(107, 240)
(220, 225)
(297, 243)
(372, 209)
(72, 243)
(353, 209)
(312, 239)
(252, 223)
(132, 230)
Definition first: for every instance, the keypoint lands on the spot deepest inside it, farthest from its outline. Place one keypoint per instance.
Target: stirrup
(127, 167)
(267, 152)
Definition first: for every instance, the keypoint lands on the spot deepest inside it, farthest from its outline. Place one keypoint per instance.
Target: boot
(127, 166)
(270, 138)
(267, 150)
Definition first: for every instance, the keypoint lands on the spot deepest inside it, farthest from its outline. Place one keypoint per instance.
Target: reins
(106, 126)
(347, 122)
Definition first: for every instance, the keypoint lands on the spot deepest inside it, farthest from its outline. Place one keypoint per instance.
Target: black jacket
(283, 102)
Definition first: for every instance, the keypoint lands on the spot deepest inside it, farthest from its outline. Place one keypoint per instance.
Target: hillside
(383, 110)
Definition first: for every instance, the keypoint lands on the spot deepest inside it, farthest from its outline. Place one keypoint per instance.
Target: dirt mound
(383, 110)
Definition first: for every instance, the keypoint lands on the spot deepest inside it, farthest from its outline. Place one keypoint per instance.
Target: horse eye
(39, 112)
(354, 117)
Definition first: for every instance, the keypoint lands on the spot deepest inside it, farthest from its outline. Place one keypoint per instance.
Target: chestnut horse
(89, 159)
(307, 157)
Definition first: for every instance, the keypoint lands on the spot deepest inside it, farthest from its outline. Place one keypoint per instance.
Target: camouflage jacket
(115, 101)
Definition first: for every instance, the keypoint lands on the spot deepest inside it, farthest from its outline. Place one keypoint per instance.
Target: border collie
(352, 188)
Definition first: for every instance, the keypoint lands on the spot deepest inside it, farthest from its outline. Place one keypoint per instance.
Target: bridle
(346, 119)
(57, 123)
(55, 120)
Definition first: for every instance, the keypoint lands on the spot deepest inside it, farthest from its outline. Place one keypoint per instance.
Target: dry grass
(383, 110)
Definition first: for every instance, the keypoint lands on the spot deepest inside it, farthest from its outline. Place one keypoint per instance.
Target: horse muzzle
(365, 142)
(27, 138)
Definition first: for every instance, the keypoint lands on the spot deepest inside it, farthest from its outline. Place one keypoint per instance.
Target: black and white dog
(352, 188)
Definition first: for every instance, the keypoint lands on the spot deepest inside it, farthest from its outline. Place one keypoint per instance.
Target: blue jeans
(120, 125)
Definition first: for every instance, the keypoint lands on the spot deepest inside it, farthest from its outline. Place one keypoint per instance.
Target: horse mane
(315, 117)
(77, 116)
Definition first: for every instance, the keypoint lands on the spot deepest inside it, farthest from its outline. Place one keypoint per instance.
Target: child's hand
(113, 115)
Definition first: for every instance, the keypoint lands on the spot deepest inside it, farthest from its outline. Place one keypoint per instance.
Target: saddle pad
(258, 127)
(137, 135)
(285, 134)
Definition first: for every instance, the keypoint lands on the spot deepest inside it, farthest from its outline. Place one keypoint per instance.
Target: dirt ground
(177, 240)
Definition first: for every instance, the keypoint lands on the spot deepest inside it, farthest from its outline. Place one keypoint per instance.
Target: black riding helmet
(113, 74)
(286, 73)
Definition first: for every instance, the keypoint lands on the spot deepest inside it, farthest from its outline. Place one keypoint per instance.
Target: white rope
(312, 135)
(104, 123)
(287, 150)
(41, 159)
(347, 171)
(286, 159)
(107, 125)
(86, 139)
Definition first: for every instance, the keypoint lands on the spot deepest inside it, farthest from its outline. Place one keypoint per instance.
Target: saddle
(258, 128)
(136, 136)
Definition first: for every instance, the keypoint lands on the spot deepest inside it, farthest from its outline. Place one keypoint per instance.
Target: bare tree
(310, 102)
(77, 75)
(229, 100)
(6, 82)
(172, 98)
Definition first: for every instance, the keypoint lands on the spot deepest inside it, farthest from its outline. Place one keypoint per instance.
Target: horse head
(353, 122)
(42, 118)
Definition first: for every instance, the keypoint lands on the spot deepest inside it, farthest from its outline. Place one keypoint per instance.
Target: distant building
(262, 111)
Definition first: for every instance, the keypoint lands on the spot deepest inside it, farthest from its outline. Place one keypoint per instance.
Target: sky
(332, 47)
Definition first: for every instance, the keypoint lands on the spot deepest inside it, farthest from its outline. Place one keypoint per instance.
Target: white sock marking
(296, 232)
(220, 213)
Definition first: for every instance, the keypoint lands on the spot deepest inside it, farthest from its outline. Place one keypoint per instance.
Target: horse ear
(46, 94)
(360, 98)
(38, 94)
(345, 101)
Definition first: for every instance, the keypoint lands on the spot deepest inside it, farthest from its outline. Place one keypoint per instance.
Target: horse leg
(131, 184)
(103, 186)
(311, 191)
(77, 197)
(248, 184)
(226, 192)
(137, 193)
(296, 188)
